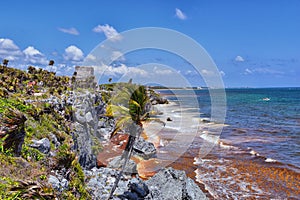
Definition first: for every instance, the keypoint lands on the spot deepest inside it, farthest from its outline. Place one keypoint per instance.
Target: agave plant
(32, 190)
(13, 124)
(128, 106)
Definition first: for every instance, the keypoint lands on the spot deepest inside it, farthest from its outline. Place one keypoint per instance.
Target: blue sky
(254, 43)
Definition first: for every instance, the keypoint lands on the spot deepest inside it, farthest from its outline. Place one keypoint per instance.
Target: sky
(254, 43)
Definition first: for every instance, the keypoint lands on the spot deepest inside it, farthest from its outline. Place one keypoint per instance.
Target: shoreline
(184, 161)
(216, 174)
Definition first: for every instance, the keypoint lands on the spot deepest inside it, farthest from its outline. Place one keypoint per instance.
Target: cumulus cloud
(9, 50)
(179, 14)
(73, 54)
(108, 31)
(91, 57)
(239, 59)
(72, 31)
(34, 56)
(119, 71)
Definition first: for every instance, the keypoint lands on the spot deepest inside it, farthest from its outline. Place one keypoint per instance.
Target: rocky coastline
(66, 147)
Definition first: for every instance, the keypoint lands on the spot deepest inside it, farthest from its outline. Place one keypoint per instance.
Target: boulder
(117, 163)
(144, 149)
(173, 184)
(83, 142)
(99, 182)
(137, 189)
(42, 145)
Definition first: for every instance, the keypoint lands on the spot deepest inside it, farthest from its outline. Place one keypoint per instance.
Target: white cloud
(91, 57)
(8, 44)
(159, 71)
(239, 59)
(108, 31)
(207, 72)
(72, 31)
(31, 51)
(9, 50)
(117, 55)
(222, 73)
(262, 70)
(73, 54)
(119, 71)
(248, 71)
(179, 14)
(34, 56)
(190, 73)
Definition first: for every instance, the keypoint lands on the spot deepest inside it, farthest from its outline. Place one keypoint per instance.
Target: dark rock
(87, 160)
(139, 187)
(42, 145)
(169, 119)
(144, 149)
(129, 196)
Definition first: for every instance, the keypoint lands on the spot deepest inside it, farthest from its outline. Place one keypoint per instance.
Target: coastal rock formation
(144, 149)
(86, 127)
(173, 184)
(99, 182)
(117, 163)
(166, 184)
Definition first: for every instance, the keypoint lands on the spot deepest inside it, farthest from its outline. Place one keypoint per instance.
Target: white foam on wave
(270, 160)
(161, 143)
(254, 153)
(198, 161)
(226, 146)
(210, 138)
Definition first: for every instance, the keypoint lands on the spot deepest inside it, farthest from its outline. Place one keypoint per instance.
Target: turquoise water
(258, 153)
(265, 120)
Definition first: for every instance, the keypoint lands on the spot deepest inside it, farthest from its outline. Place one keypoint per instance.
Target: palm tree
(128, 106)
(5, 62)
(51, 63)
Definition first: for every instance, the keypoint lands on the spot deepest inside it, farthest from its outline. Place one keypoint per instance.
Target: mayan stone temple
(85, 77)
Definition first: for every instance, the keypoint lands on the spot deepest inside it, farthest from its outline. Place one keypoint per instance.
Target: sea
(256, 155)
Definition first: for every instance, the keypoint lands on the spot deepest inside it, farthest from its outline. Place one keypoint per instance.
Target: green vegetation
(25, 116)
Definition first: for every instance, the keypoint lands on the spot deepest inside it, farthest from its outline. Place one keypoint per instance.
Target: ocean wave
(270, 160)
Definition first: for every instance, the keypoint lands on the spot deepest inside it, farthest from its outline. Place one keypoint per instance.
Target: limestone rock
(173, 184)
(42, 145)
(117, 163)
(144, 149)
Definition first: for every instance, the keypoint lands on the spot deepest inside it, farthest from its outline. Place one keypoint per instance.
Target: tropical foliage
(25, 116)
(130, 106)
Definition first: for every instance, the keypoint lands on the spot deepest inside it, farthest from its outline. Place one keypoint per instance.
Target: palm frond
(120, 124)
